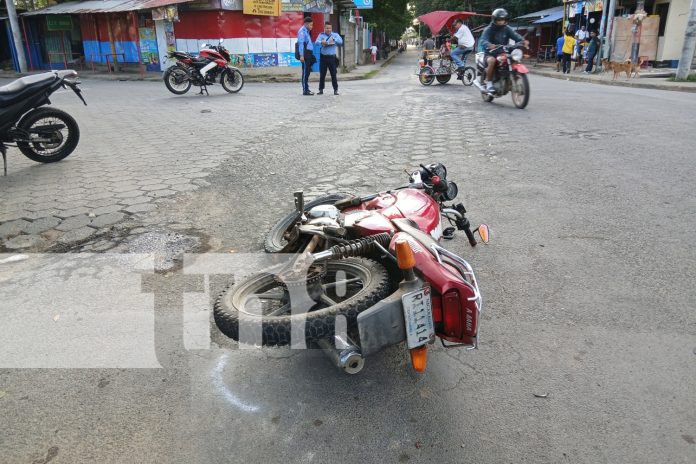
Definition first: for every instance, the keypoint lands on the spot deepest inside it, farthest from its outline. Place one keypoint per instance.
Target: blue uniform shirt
(329, 49)
(559, 45)
(304, 38)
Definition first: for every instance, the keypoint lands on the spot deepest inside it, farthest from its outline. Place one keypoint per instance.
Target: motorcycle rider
(496, 34)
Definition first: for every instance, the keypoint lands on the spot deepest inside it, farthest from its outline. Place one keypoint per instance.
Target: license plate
(418, 314)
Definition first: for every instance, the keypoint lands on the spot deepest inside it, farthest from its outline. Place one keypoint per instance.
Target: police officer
(306, 51)
(328, 40)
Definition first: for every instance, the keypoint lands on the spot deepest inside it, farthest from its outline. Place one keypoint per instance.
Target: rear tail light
(459, 318)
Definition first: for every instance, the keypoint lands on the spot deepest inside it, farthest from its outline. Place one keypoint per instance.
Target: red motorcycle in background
(211, 64)
(510, 75)
(374, 263)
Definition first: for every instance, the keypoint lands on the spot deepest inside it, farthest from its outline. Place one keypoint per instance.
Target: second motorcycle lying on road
(366, 272)
(203, 70)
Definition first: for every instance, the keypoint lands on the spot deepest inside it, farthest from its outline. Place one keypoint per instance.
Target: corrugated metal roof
(542, 13)
(102, 6)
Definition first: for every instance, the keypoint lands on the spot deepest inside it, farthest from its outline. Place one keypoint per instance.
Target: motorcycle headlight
(517, 55)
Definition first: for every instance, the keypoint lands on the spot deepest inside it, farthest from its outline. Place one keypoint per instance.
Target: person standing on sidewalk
(306, 51)
(592, 49)
(327, 57)
(373, 53)
(568, 46)
(465, 44)
(559, 52)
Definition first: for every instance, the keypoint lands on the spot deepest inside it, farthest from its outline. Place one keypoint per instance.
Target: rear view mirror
(483, 233)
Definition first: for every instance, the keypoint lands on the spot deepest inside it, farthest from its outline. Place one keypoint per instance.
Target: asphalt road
(588, 280)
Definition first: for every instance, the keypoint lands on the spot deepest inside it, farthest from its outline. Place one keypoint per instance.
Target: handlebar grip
(470, 235)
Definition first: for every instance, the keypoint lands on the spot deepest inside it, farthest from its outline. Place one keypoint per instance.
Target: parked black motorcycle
(42, 134)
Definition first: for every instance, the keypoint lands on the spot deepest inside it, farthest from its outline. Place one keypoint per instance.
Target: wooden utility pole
(689, 44)
(16, 35)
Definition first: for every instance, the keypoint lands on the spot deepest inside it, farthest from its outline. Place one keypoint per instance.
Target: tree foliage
(391, 16)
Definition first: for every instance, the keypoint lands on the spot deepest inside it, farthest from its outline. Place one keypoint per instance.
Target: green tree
(390, 16)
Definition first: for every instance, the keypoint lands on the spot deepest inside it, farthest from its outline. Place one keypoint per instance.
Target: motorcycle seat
(411, 228)
(21, 84)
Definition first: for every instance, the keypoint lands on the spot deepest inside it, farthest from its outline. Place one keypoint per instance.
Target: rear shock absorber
(355, 248)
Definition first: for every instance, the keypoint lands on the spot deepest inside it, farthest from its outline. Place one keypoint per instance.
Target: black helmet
(500, 13)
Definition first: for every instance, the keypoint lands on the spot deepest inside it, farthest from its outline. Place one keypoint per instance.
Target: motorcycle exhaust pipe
(346, 355)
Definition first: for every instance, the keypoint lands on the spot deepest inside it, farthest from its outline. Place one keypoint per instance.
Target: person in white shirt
(465, 44)
(582, 34)
(373, 53)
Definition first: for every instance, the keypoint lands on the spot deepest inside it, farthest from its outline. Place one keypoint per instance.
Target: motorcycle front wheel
(269, 308)
(232, 80)
(278, 240)
(177, 80)
(52, 135)
(520, 90)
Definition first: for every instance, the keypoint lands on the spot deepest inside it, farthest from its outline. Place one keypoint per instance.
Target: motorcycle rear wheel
(520, 90)
(232, 80)
(275, 239)
(264, 308)
(64, 138)
(177, 81)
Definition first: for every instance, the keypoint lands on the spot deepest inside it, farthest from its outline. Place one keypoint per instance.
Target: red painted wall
(121, 26)
(236, 25)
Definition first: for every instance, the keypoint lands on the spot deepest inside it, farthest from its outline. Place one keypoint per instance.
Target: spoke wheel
(232, 80)
(427, 75)
(468, 76)
(443, 75)
(520, 90)
(266, 306)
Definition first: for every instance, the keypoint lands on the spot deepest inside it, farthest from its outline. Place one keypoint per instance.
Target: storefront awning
(102, 6)
(552, 18)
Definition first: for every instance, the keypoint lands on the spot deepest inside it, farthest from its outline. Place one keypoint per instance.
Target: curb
(263, 78)
(638, 85)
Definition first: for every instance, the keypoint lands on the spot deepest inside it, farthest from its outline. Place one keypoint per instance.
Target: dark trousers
(327, 62)
(590, 61)
(566, 63)
(306, 70)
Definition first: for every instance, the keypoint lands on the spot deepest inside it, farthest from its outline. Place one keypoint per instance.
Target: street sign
(59, 23)
(363, 4)
(262, 7)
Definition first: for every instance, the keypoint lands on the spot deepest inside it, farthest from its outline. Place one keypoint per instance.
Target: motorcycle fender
(520, 68)
(382, 324)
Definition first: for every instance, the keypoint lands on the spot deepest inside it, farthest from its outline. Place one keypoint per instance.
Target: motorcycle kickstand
(3, 150)
(204, 88)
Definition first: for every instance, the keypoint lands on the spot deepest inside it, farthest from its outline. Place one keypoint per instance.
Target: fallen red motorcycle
(367, 272)
(203, 70)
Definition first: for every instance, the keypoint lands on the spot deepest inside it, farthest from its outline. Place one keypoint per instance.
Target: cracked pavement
(588, 280)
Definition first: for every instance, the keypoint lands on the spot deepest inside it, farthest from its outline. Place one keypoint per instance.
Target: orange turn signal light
(484, 233)
(404, 255)
(419, 358)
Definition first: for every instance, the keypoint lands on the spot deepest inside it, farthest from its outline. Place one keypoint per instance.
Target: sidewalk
(275, 74)
(648, 79)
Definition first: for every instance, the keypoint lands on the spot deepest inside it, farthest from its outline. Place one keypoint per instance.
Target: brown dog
(618, 68)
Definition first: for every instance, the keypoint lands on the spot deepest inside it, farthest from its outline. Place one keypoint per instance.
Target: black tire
(232, 80)
(65, 140)
(520, 82)
(468, 76)
(484, 96)
(172, 76)
(275, 241)
(426, 75)
(443, 75)
(230, 307)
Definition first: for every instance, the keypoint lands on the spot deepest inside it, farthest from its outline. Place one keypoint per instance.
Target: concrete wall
(670, 46)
